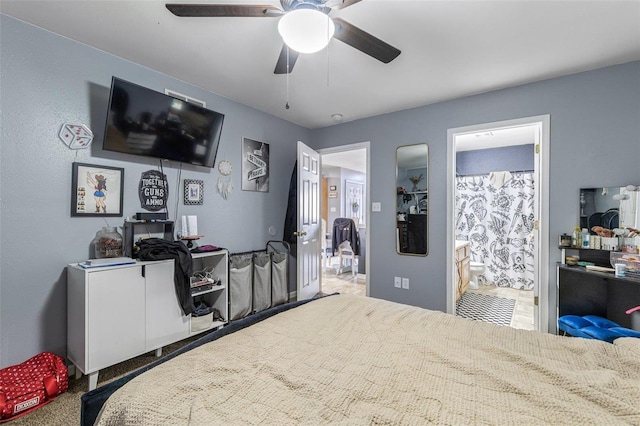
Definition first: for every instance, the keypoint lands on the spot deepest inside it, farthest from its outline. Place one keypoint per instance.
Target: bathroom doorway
(345, 194)
(498, 210)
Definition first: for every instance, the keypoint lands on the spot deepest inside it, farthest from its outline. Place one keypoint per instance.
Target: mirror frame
(398, 193)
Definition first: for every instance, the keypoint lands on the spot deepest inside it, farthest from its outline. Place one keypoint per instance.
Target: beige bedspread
(355, 360)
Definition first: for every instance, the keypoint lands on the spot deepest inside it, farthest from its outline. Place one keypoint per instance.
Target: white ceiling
(449, 49)
(353, 160)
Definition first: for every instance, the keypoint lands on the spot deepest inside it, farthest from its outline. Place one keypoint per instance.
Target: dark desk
(582, 292)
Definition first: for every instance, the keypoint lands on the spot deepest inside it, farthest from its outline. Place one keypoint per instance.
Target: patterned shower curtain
(497, 219)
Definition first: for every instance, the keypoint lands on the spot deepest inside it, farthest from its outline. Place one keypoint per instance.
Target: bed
(355, 360)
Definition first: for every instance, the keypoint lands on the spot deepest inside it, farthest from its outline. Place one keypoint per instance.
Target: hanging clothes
(345, 229)
(290, 222)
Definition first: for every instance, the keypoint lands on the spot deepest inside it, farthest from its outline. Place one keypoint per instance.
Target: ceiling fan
(344, 31)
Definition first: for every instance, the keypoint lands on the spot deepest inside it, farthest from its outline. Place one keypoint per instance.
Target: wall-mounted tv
(142, 121)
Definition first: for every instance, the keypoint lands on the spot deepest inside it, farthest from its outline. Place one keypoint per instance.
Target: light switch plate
(405, 283)
(397, 282)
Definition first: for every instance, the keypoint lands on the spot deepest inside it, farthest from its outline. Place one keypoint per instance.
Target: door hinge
(536, 225)
(536, 300)
(537, 148)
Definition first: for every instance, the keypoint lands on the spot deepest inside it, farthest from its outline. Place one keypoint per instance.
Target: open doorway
(497, 206)
(345, 217)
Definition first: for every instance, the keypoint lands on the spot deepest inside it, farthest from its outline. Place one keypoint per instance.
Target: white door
(308, 222)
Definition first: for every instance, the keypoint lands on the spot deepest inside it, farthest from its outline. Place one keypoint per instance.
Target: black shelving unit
(132, 229)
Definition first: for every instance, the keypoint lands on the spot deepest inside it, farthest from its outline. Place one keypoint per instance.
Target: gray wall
(484, 161)
(48, 80)
(595, 129)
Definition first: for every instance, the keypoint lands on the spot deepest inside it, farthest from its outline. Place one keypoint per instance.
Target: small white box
(609, 243)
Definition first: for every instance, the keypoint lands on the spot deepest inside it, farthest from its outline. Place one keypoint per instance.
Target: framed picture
(96, 190)
(354, 200)
(193, 191)
(255, 165)
(333, 188)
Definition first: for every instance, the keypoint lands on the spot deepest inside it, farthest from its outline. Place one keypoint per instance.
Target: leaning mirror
(613, 207)
(412, 190)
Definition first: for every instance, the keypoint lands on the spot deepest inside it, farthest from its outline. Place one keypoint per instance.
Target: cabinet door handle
(142, 270)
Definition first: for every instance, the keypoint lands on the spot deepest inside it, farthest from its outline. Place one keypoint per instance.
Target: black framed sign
(255, 165)
(153, 190)
(96, 190)
(193, 191)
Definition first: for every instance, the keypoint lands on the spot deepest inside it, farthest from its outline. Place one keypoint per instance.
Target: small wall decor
(333, 195)
(354, 192)
(255, 165)
(225, 184)
(225, 167)
(96, 190)
(193, 191)
(333, 188)
(154, 190)
(76, 136)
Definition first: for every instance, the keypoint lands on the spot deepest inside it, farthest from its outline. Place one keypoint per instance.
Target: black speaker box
(151, 216)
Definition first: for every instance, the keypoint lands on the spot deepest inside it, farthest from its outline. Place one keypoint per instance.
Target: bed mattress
(354, 360)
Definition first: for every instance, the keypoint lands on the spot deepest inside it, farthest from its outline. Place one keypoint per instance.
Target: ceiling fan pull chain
(286, 105)
(328, 37)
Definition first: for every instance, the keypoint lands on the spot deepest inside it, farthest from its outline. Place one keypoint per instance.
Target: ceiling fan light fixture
(306, 30)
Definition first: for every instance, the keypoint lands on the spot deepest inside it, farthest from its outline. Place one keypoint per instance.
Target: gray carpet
(482, 307)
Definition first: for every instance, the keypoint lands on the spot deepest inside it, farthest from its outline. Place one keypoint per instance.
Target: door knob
(300, 233)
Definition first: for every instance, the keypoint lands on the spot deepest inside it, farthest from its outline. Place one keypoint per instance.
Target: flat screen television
(144, 122)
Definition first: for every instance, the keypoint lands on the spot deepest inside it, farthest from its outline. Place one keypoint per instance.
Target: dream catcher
(225, 184)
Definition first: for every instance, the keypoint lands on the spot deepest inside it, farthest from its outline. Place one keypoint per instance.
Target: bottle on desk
(585, 238)
(576, 238)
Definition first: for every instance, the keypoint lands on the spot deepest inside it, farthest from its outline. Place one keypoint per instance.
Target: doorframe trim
(543, 121)
(350, 147)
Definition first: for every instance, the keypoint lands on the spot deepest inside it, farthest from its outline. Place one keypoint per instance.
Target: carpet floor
(64, 410)
(482, 307)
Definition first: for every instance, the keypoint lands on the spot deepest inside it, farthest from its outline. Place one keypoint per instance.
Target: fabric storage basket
(279, 282)
(201, 323)
(261, 281)
(240, 288)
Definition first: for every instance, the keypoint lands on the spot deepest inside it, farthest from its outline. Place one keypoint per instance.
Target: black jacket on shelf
(159, 249)
(345, 229)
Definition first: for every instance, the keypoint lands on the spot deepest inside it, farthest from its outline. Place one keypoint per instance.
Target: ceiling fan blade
(346, 3)
(281, 65)
(213, 10)
(364, 42)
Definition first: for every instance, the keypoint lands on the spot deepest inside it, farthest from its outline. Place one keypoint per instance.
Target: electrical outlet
(376, 206)
(405, 283)
(397, 282)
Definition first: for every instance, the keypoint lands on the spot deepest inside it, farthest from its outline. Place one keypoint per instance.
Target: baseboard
(293, 295)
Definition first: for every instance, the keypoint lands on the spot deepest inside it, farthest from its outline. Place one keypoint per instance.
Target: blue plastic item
(594, 327)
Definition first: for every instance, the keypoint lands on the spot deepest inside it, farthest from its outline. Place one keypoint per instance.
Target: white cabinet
(463, 262)
(164, 320)
(116, 313)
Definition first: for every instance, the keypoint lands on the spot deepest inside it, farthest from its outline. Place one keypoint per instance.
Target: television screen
(142, 121)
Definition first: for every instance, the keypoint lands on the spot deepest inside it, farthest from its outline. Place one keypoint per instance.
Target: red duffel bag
(31, 384)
